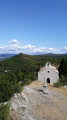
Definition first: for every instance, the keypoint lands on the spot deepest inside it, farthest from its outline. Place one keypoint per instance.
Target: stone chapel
(48, 74)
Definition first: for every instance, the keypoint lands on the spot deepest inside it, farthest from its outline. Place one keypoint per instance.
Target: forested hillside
(15, 62)
(22, 60)
(20, 70)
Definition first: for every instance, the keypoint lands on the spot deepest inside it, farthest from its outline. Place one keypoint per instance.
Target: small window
(48, 71)
(48, 64)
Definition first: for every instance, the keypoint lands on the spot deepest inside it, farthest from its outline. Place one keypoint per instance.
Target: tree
(61, 68)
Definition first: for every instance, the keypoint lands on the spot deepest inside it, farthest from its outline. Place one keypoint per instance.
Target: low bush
(63, 80)
(28, 82)
(18, 88)
(58, 84)
(4, 111)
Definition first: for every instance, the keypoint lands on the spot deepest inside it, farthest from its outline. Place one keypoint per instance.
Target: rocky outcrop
(33, 104)
(19, 109)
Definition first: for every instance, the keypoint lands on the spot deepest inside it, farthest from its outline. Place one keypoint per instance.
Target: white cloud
(14, 42)
(29, 47)
(65, 48)
(16, 47)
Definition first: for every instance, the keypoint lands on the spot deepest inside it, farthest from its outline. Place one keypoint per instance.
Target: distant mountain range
(5, 56)
(49, 54)
(65, 53)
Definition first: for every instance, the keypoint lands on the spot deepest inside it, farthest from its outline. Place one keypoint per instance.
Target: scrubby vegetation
(4, 111)
(62, 74)
(22, 69)
(21, 60)
(58, 84)
(63, 68)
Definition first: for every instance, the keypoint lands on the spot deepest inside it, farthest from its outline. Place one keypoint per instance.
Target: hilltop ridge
(17, 61)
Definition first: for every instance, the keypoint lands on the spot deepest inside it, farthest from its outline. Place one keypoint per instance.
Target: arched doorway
(48, 80)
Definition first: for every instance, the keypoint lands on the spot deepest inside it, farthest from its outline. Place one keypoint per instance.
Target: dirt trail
(33, 104)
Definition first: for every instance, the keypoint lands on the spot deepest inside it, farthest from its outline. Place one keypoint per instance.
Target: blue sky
(33, 26)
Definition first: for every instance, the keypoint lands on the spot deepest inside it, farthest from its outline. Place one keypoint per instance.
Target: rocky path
(33, 104)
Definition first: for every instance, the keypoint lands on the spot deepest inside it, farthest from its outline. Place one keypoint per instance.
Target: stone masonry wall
(48, 72)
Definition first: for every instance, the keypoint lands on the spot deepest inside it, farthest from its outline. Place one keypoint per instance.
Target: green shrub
(63, 80)
(18, 88)
(58, 84)
(28, 82)
(4, 111)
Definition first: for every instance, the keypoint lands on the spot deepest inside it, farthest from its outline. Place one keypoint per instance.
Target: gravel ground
(33, 104)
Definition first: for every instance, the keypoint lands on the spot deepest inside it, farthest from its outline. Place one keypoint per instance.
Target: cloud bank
(16, 47)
